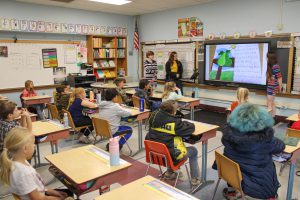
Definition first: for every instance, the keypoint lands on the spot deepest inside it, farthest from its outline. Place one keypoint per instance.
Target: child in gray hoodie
(113, 113)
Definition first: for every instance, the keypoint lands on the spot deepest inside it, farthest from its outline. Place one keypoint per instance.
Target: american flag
(136, 37)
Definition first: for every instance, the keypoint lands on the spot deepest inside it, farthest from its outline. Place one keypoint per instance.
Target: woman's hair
(242, 95)
(6, 108)
(16, 139)
(76, 94)
(168, 88)
(143, 83)
(118, 80)
(149, 53)
(169, 106)
(28, 83)
(272, 60)
(250, 118)
(171, 56)
(110, 94)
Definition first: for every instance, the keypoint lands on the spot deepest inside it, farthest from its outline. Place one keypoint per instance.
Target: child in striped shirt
(150, 68)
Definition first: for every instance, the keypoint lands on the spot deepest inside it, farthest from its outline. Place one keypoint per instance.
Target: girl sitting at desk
(30, 92)
(171, 92)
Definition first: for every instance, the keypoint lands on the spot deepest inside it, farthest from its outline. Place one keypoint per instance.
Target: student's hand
(24, 112)
(61, 195)
(176, 89)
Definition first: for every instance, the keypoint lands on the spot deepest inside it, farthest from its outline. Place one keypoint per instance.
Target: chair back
(70, 119)
(136, 102)
(229, 171)
(102, 127)
(53, 111)
(157, 153)
(293, 133)
(119, 99)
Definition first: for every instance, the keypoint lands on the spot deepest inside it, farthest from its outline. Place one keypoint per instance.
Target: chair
(72, 125)
(158, 154)
(119, 99)
(229, 171)
(136, 102)
(102, 128)
(53, 112)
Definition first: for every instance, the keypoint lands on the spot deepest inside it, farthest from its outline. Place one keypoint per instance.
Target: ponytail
(16, 139)
(242, 95)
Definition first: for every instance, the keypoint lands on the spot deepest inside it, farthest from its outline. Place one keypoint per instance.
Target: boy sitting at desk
(9, 114)
(170, 130)
(120, 82)
(113, 112)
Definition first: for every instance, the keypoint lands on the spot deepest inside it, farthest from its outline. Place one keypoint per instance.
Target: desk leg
(38, 154)
(140, 137)
(291, 181)
(52, 147)
(204, 182)
(192, 113)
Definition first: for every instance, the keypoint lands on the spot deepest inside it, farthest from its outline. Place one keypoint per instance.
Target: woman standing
(174, 70)
(150, 68)
(274, 81)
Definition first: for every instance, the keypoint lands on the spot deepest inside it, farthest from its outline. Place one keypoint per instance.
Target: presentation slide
(239, 63)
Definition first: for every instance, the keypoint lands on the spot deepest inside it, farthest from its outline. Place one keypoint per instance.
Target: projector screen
(236, 63)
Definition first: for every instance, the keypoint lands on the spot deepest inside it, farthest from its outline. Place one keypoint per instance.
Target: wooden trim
(20, 89)
(290, 65)
(40, 41)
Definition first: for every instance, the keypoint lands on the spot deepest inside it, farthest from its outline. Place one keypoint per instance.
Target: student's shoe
(172, 175)
(85, 140)
(230, 194)
(195, 182)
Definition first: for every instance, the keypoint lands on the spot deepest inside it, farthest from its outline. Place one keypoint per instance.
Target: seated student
(18, 174)
(120, 82)
(62, 99)
(30, 92)
(296, 125)
(78, 102)
(242, 97)
(159, 122)
(145, 91)
(113, 112)
(249, 140)
(171, 92)
(9, 113)
(68, 87)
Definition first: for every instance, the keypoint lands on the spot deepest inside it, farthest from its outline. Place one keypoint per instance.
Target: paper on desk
(102, 155)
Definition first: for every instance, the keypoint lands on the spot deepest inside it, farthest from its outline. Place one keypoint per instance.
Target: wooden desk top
(134, 111)
(201, 128)
(37, 97)
(157, 95)
(85, 163)
(146, 188)
(30, 115)
(112, 85)
(41, 128)
(291, 149)
(187, 99)
(293, 118)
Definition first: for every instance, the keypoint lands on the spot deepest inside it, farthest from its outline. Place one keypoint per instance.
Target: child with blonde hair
(78, 102)
(242, 95)
(171, 92)
(18, 174)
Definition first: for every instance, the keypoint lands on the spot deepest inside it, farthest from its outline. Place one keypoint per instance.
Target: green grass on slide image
(225, 76)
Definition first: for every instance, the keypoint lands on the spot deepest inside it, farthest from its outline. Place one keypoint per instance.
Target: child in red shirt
(29, 92)
(242, 97)
(296, 125)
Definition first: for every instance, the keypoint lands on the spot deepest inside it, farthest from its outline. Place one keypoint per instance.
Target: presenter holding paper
(274, 81)
(174, 70)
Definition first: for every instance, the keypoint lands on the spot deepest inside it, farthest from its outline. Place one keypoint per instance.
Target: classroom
(139, 99)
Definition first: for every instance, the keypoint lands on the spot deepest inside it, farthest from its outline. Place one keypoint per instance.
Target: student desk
(207, 131)
(192, 102)
(48, 131)
(84, 164)
(295, 151)
(140, 116)
(99, 85)
(36, 100)
(146, 188)
(293, 118)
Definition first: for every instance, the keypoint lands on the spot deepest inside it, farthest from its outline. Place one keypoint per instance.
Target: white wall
(226, 16)
(17, 10)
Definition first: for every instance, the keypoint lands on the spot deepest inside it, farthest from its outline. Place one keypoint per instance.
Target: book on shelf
(104, 53)
(99, 74)
(121, 43)
(121, 53)
(103, 63)
(97, 42)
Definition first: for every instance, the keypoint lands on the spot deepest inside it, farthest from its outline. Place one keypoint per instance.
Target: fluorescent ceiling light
(114, 2)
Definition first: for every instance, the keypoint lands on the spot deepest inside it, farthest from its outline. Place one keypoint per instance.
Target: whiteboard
(185, 53)
(24, 62)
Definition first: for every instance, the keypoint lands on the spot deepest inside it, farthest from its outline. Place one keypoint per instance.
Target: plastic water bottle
(98, 98)
(92, 96)
(142, 103)
(66, 120)
(114, 153)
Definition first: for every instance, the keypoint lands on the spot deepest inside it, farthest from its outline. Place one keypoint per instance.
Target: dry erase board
(24, 61)
(185, 53)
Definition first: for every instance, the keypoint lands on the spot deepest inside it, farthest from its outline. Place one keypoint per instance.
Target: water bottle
(66, 120)
(92, 96)
(114, 153)
(98, 98)
(142, 103)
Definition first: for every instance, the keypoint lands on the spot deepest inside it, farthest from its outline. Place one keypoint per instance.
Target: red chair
(158, 154)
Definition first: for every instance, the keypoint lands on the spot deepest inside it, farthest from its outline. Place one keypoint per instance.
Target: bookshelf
(108, 55)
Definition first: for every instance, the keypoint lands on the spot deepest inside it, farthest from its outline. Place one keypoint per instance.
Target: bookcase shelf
(115, 48)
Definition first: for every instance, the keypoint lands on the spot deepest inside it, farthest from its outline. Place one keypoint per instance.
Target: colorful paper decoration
(49, 26)
(5, 24)
(78, 28)
(56, 27)
(91, 29)
(190, 27)
(236, 35)
(15, 25)
(64, 28)
(33, 26)
(222, 36)
(72, 28)
(41, 26)
(211, 36)
(49, 58)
